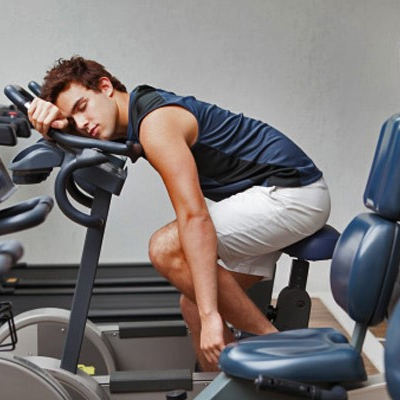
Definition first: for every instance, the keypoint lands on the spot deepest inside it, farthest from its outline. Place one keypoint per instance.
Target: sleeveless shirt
(232, 152)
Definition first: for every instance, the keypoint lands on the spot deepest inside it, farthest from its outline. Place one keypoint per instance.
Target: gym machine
(12, 219)
(121, 381)
(108, 346)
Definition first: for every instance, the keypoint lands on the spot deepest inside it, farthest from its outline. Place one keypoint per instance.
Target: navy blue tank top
(232, 152)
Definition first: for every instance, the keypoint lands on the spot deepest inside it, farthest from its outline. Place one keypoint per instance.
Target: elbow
(197, 219)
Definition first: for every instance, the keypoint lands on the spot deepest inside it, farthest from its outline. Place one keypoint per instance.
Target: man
(267, 192)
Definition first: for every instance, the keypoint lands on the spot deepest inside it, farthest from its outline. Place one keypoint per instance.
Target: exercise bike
(121, 383)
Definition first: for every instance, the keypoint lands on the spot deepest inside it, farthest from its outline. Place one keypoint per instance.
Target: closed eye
(78, 106)
(82, 106)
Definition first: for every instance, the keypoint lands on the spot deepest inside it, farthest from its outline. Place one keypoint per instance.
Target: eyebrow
(76, 104)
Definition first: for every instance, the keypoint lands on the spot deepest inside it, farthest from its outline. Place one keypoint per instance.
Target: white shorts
(252, 226)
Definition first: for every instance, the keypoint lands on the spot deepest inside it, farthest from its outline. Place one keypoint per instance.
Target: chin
(109, 136)
(104, 137)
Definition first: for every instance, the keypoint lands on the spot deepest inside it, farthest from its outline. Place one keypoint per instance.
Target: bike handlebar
(10, 252)
(23, 99)
(25, 215)
(88, 158)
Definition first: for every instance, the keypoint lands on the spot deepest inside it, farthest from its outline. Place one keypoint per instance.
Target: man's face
(95, 113)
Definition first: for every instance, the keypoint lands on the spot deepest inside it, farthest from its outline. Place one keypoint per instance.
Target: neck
(122, 101)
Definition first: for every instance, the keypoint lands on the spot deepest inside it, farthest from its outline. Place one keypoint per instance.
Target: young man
(267, 192)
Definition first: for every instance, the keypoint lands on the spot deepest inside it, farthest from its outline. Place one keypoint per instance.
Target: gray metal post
(85, 282)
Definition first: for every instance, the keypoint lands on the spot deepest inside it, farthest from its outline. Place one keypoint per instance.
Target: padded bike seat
(319, 246)
(309, 355)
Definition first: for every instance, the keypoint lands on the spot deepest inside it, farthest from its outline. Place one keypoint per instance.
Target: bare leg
(233, 303)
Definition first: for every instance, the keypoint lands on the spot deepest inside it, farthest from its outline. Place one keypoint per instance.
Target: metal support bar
(85, 282)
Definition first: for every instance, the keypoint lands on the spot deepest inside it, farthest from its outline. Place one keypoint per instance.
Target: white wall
(326, 73)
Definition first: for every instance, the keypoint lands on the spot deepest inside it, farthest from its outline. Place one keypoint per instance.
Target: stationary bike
(121, 383)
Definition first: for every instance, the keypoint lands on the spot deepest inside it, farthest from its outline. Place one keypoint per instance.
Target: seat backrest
(367, 256)
(364, 267)
(382, 192)
(392, 354)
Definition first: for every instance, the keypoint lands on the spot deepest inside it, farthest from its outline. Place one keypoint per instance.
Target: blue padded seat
(364, 267)
(365, 260)
(293, 305)
(382, 192)
(319, 246)
(307, 355)
(392, 354)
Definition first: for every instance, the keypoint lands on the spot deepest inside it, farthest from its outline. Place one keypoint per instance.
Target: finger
(209, 358)
(37, 120)
(34, 112)
(59, 124)
(45, 116)
(212, 355)
(32, 108)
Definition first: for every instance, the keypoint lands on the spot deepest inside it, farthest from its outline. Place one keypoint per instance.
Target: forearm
(199, 243)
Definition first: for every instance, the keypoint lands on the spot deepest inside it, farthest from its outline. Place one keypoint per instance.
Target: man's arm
(45, 115)
(166, 135)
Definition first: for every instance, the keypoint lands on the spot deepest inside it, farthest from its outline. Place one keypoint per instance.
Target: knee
(157, 250)
(164, 251)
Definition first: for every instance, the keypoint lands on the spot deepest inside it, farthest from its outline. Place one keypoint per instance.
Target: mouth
(94, 131)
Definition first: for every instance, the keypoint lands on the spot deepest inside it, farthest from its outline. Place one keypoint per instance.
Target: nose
(81, 122)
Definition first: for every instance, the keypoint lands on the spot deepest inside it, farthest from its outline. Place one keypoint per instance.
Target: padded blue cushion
(382, 193)
(309, 355)
(364, 267)
(392, 354)
(318, 246)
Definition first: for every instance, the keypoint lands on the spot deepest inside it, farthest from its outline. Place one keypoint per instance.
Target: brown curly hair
(75, 70)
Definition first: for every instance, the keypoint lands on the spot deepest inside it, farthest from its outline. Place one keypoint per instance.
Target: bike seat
(319, 246)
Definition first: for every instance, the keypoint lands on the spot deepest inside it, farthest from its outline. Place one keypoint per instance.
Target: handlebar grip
(10, 252)
(129, 149)
(25, 215)
(35, 88)
(6, 263)
(19, 96)
(13, 248)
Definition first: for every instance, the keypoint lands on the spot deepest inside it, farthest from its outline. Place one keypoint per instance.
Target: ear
(106, 86)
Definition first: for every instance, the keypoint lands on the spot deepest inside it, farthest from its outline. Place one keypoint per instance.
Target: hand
(212, 338)
(45, 115)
